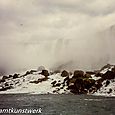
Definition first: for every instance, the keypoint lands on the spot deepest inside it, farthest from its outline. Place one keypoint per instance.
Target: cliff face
(100, 82)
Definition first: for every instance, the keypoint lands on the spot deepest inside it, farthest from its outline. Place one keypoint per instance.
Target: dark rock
(98, 84)
(10, 76)
(110, 91)
(80, 85)
(32, 71)
(6, 84)
(98, 74)
(5, 88)
(15, 76)
(64, 73)
(87, 75)
(53, 83)
(36, 82)
(92, 90)
(27, 73)
(90, 72)
(78, 74)
(3, 79)
(39, 80)
(88, 83)
(54, 91)
(61, 87)
(108, 75)
(58, 84)
(113, 69)
(106, 66)
(45, 73)
(107, 83)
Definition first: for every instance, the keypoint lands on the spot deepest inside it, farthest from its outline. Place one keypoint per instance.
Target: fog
(57, 34)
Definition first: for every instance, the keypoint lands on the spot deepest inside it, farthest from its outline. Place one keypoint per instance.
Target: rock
(87, 75)
(6, 84)
(64, 73)
(90, 72)
(80, 85)
(78, 73)
(5, 88)
(107, 83)
(88, 83)
(54, 91)
(110, 91)
(66, 80)
(3, 79)
(32, 71)
(92, 90)
(53, 83)
(98, 84)
(45, 73)
(58, 84)
(108, 75)
(98, 74)
(15, 76)
(39, 80)
(10, 76)
(113, 69)
(27, 73)
(106, 66)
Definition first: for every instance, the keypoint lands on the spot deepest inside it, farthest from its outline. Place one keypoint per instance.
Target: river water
(59, 104)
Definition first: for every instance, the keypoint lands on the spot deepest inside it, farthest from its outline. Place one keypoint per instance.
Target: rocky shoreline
(42, 81)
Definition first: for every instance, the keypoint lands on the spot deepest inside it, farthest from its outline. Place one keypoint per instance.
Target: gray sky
(55, 32)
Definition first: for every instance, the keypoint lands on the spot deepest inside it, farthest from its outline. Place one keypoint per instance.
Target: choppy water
(60, 104)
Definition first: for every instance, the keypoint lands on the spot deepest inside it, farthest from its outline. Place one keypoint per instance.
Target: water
(60, 104)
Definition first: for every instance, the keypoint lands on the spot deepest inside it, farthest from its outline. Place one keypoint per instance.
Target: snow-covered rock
(41, 81)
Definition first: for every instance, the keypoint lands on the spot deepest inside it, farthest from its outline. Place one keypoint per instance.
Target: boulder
(88, 83)
(53, 83)
(98, 74)
(90, 72)
(98, 84)
(87, 75)
(78, 74)
(57, 85)
(107, 83)
(10, 76)
(3, 79)
(5, 88)
(27, 73)
(108, 75)
(15, 76)
(110, 91)
(45, 73)
(80, 85)
(64, 73)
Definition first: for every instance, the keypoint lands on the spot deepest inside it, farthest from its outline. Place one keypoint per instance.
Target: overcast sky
(47, 32)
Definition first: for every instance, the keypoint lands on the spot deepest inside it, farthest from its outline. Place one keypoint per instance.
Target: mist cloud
(52, 33)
